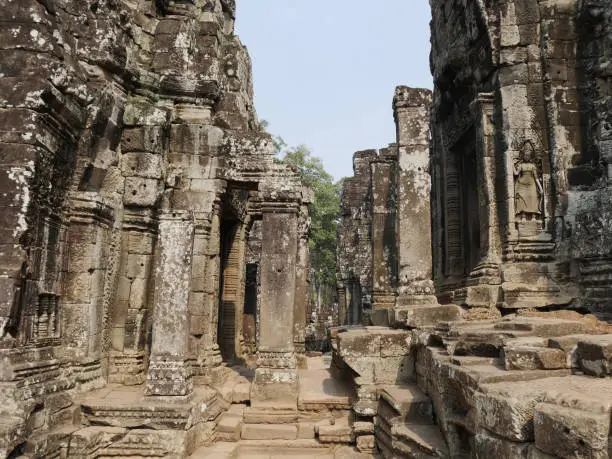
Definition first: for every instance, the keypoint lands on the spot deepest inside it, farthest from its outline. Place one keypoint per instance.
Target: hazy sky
(325, 70)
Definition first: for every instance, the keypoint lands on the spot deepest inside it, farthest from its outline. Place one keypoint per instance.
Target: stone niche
(137, 186)
(518, 155)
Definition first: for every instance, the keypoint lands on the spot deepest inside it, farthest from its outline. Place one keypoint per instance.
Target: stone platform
(300, 449)
(320, 427)
(535, 385)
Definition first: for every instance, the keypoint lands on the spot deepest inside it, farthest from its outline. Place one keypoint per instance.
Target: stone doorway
(249, 318)
(470, 211)
(231, 288)
(462, 214)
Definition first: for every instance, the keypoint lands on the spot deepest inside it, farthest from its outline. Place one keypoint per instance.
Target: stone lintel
(88, 209)
(280, 207)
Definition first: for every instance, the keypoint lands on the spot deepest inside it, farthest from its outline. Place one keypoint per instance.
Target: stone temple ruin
(154, 256)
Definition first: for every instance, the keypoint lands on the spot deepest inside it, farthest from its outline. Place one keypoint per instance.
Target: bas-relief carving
(528, 191)
(534, 214)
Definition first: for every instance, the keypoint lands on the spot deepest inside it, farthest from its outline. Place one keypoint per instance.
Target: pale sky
(325, 70)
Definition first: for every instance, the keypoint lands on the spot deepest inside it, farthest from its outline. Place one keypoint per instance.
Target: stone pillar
(341, 292)
(169, 371)
(415, 284)
(383, 234)
(143, 148)
(485, 278)
(85, 275)
(361, 204)
(129, 318)
(416, 304)
(276, 377)
(204, 299)
(301, 288)
(232, 293)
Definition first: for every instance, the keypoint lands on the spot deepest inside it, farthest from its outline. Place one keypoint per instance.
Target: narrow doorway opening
(249, 318)
(229, 283)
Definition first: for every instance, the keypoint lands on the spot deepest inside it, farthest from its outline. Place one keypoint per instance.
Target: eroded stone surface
(149, 236)
(136, 178)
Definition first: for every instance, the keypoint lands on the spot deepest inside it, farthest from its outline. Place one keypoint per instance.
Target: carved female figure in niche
(528, 189)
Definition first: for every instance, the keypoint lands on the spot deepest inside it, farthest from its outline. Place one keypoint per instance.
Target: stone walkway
(318, 387)
(277, 449)
(319, 392)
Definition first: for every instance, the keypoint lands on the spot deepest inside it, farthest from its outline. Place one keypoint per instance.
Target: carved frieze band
(270, 359)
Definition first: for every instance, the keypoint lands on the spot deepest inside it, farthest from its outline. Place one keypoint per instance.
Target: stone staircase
(229, 428)
(320, 424)
(405, 425)
(531, 385)
(277, 449)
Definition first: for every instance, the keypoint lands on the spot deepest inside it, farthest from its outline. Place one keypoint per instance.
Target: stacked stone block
(131, 150)
(515, 156)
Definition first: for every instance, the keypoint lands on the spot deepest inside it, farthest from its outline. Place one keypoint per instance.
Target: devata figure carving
(528, 189)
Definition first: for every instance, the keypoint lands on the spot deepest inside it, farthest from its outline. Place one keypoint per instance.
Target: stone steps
(405, 425)
(219, 450)
(338, 432)
(229, 428)
(412, 441)
(269, 432)
(270, 424)
(420, 441)
(406, 402)
(255, 449)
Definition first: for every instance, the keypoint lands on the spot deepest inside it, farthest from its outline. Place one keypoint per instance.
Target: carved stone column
(341, 293)
(90, 222)
(301, 287)
(416, 304)
(383, 234)
(204, 299)
(129, 318)
(484, 279)
(232, 293)
(169, 371)
(415, 284)
(276, 376)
